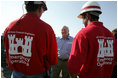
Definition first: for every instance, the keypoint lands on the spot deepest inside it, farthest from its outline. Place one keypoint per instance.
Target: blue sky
(59, 13)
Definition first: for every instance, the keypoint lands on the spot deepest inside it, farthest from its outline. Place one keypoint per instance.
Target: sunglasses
(83, 16)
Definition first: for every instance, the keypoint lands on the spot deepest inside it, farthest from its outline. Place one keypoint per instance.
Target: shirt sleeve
(78, 54)
(52, 48)
(5, 41)
(115, 51)
(5, 37)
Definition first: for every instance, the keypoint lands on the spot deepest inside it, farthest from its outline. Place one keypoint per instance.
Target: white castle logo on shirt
(105, 51)
(26, 48)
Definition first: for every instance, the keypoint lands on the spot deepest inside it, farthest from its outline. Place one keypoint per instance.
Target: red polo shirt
(29, 42)
(93, 52)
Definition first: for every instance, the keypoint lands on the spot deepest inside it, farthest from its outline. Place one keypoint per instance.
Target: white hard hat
(38, 2)
(90, 6)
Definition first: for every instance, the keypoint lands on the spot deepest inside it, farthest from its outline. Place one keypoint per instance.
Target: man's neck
(66, 37)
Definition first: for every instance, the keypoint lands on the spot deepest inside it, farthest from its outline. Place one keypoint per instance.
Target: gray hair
(66, 27)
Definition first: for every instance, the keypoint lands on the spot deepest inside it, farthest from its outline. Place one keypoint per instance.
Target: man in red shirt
(30, 43)
(94, 48)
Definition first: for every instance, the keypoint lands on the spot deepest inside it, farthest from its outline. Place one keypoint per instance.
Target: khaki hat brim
(79, 16)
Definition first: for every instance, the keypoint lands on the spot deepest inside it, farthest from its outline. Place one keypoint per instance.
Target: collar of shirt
(96, 23)
(66, 38)
(31, 16)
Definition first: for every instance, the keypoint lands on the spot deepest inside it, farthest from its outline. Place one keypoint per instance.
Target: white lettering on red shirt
(105, 52)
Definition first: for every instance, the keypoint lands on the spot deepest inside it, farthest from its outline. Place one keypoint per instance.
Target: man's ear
(88, 16)
(39, 10)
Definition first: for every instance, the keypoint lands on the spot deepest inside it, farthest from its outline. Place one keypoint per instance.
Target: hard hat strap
(94, 13)
(34, 2)
(38, 2)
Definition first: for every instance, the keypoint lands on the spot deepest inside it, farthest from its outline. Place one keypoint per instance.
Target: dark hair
(114, 32)
(31, 7)
(93, 17)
